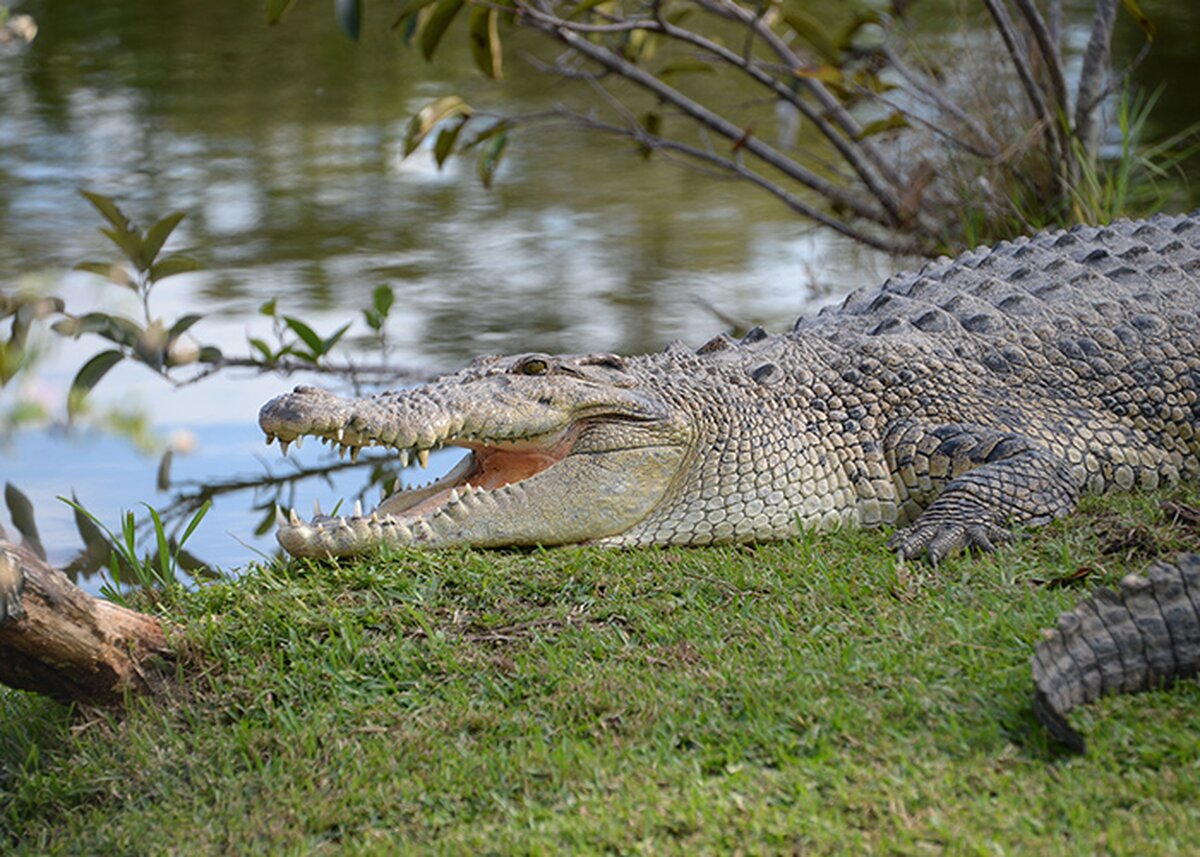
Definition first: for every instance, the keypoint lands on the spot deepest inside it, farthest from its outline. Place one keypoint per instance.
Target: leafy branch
(902, 155)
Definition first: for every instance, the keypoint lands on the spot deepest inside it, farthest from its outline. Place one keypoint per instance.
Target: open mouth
(484, 474)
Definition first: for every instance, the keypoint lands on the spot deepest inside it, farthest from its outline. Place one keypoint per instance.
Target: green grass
(808, 696)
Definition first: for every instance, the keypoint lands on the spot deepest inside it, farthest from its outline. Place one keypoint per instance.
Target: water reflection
(285, 147)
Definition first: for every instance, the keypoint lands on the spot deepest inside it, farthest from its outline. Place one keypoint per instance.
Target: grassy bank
(810, 696)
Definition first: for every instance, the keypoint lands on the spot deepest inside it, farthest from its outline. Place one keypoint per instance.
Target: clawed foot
(939, 539)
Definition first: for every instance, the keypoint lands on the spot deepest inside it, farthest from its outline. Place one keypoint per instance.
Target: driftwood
(57, 640)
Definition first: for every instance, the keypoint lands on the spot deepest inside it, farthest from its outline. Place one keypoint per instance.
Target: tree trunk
(57, 640)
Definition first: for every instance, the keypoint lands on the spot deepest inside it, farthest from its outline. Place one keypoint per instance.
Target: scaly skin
(1143, 636)
(981, 393)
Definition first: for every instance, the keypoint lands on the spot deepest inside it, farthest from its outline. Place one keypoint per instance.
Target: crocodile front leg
(974, 483)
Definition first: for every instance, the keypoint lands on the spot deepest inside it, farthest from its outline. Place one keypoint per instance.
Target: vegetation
(810, 695)
(912, 141)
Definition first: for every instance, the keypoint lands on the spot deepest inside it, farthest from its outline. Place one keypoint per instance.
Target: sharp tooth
(374, 517)
(341, 433)
(299, 441)
(280, 520)
(283, 446)
(405, 459)
(354, 451)
(423, 457)
(383, 494)
(358, 508)
(294, 519)
(270, 439)
(316, 508)
(453, 495)
(342, 450)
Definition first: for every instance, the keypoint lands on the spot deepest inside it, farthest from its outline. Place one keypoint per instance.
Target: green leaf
(88, 376)
(487, 133)
(1143, 21)
(431, 34)
(275, 10)
(446, 139)
(21, 512)
(845, 41)
(268, 307)
(892, 122)
(489, 160)
(210, 354)
(158, 234)
(173, 265)
(262, 348)
(333, 338)
(109, 209)
(162, 479)
(306, 334)
(129, 243)
(182, 324)
(93, 537)
(194, 522)
(429, 116)
(410, 7)
(686, 65)
(349, 16)
(382, 299)
(104, 269)
(810, 30)
(483, 33)
(652, 122)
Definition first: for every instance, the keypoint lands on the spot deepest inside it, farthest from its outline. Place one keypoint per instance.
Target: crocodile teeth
(270, 439)
(405, 458)
(453, 495)
(358, 508)
(423, 458)
(316, 508)
(354, 451)
(283, 447)
(294, 519)
(280, 520)
(341, 433)
(299, 441)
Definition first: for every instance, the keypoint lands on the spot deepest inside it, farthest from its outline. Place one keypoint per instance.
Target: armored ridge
(980, 393)
(1145, 635)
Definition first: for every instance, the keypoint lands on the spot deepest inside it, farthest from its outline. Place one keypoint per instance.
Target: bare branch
(848, 150)
(1049, 50)
(652, 141)
(734, 12)
(552, 25)
(921, 86)
(1092, 76)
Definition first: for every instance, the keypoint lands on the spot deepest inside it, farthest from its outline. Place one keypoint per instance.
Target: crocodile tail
(1145, 635)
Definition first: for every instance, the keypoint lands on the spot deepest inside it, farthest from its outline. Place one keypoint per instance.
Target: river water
(285, 147)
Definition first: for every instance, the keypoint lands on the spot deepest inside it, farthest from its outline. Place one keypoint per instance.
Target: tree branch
(554, 26)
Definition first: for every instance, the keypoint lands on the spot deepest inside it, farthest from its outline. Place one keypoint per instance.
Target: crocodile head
(560, 449)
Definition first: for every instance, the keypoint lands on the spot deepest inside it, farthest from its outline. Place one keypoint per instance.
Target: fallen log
(57, 640)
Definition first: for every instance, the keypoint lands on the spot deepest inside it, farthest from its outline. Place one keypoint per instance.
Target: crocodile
(956, 403)
(1144, 635)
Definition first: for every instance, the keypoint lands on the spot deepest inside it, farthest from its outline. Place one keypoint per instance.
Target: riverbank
(810, 695)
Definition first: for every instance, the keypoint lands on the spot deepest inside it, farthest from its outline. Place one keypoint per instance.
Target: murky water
(285, 148)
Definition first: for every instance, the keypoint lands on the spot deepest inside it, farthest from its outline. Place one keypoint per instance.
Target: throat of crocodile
(484, 469)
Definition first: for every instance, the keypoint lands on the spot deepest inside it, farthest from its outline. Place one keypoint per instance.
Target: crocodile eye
(534, 366)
